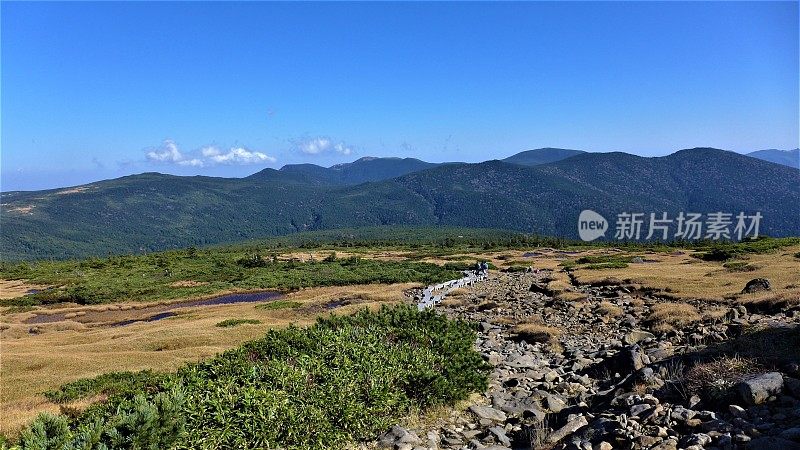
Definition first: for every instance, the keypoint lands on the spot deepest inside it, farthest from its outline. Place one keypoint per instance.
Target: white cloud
(321, 144)
(194, 162)
(210, 151)
(314, 146)
(169, 153)
(342, 149)
(241, 155)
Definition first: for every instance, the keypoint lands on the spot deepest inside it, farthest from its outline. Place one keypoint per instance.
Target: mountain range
(789, 158)
(539, 191)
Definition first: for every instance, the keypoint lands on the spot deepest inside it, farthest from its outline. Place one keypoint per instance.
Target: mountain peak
(541, 156)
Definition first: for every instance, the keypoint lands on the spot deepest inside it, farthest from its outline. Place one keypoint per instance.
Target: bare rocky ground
(607, 381)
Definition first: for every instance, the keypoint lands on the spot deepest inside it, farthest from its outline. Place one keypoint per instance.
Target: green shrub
(112, 383)
(344, 379)
(600, 259)
(135, 423)
(607, 265)
(280, 304)
(739, 266)
(234, 322)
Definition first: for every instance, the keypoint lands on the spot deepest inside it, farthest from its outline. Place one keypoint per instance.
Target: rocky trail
(599, 374)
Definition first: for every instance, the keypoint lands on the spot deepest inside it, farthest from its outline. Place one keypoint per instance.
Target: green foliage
(515, 268)
(234, 322)
(739, 266)
(607, 265)
(143, 278)
(344, 379)
(599, 259)
(279, 304)
(120, 215)
(254, 260)
(140, 422)
(111, 383)
(723, 251)
(568, 264)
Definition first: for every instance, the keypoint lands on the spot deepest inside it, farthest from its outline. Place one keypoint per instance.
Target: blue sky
(98, 90)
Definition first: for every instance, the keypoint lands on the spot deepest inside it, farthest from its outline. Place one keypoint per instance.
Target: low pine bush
(344, 379)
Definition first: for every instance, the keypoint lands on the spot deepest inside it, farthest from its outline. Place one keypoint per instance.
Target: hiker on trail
(478, 268)
(484, 268)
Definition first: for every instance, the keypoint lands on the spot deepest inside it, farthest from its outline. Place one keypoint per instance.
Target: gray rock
(570, 427)
(398, 437)
(637, 410)
(756, 285)
(488, 413)
(500, 434)
(756, 390)
(554, 403)
(737, 411)
(793, 386)
(669, 444)
(681, 414)
(792, 434)
(772, 443)
(636, 336)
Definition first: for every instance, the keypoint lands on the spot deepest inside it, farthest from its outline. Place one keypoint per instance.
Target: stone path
(609, 381)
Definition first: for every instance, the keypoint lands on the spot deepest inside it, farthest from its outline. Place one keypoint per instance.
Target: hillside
(541, 156)
(151, 211)
(789, 158)
(360, 171)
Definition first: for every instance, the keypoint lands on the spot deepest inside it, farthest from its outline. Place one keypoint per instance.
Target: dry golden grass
(67, 350)
(17, 288)
(636, 302)
(572, 297)
(505, 320)
(669, 316)
(458, 292)
(534, 331)
(771, 300)
(715, 378)
(609, 309)
(685, 277)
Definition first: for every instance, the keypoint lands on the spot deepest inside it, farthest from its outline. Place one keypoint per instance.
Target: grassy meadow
(316, 279)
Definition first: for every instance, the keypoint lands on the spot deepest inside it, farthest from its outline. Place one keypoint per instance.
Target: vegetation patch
(666, 317)
(234, 322)
(739, 266)
(113, 383)
(724, 251)
(714, 379)
(604, 259)
(607, 265)
(609, 309)
(344, 379)
(280, 304)
(152, 277)
(536, 332)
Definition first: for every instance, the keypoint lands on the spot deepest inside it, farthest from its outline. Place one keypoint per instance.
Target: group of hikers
(481, 269)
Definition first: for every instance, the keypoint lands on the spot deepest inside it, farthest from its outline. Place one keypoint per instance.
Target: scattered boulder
(636, 336)
(570, 427)
(488, 413)
(756, 285)
(757, 389)
(541, 288)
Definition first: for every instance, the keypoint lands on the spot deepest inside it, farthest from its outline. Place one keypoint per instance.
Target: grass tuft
(234, 322)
